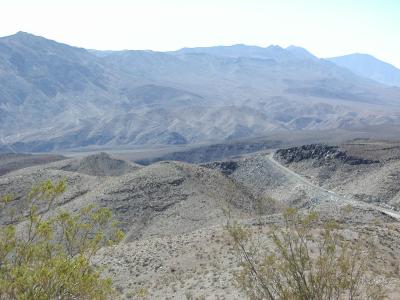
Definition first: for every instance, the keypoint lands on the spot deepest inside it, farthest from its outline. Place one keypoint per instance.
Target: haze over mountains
(370, 67)
(54, 96)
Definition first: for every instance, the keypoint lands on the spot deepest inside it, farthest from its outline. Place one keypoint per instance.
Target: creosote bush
(304, 261)
(47, 256)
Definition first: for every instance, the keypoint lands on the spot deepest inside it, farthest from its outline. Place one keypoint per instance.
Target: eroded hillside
(366, 169)
(174, 213)
(56, 97)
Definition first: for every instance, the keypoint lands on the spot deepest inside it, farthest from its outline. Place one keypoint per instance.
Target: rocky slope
(201, 264)
(161, 199)
(321, 154)
(173, 214)
(365, 169)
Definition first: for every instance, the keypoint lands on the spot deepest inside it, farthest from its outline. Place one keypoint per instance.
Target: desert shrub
(304, 261)
(46, 254)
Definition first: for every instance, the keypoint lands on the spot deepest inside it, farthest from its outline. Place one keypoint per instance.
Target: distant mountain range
(54, 96)
(370, 67)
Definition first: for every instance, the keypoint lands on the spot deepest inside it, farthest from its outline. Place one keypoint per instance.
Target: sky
(326, 28)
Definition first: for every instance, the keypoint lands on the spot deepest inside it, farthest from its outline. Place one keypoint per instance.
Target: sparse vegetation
(177, 246)
(304, 262)
(48, 256)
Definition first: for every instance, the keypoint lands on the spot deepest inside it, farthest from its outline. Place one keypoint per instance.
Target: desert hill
(366, 169)
(173, 213)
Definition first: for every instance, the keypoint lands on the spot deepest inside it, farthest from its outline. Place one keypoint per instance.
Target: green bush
(46, 255)
(306, 261)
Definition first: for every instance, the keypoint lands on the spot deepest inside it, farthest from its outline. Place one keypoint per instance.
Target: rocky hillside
(366, 169)
(321, 154)
(161, 199)
(174, 213)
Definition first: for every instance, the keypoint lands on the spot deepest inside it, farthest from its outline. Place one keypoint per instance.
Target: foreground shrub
(46, 255)
(304, 262)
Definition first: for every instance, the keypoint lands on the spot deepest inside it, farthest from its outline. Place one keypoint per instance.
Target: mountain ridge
(55, 96)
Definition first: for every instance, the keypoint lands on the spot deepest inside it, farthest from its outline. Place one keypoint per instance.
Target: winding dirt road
(331, 194)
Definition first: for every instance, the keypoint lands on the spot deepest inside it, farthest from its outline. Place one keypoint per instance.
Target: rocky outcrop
(319, 152)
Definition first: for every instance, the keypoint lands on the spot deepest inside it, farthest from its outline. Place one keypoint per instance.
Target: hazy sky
(325, 27)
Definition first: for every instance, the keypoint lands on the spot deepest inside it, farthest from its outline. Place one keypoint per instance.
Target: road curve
(395, 215)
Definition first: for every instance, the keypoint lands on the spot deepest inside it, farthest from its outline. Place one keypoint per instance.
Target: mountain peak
(275, 47)
(22, 35)
(358, 55)
(35, 42)
(300, 52)
(369, 66)
(25, 38)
